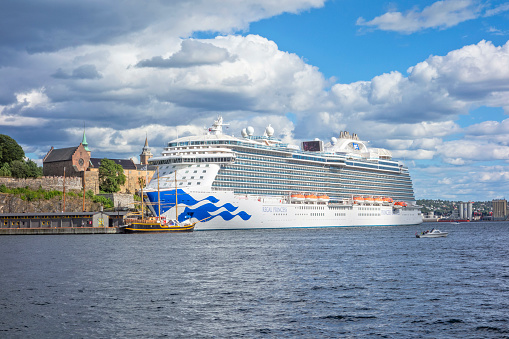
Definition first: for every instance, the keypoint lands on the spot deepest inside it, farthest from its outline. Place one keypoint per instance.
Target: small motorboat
(434, 233)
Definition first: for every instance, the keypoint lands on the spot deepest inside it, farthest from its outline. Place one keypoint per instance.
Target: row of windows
(300, 155)
(260, 162)
(258, 171)
(189, 160)
(310, 182)
(327, 186)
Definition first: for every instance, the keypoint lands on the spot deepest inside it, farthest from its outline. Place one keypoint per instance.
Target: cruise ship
(252, 182)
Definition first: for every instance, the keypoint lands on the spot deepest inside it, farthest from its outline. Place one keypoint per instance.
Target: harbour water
(314, 283)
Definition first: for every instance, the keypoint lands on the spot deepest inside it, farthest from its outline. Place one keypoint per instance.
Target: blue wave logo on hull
(202, 212)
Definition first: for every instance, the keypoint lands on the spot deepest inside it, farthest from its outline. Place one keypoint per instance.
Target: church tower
(84, 142)
(145, 154)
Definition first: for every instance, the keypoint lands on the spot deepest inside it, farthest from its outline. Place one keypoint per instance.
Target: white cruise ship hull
(219, 210)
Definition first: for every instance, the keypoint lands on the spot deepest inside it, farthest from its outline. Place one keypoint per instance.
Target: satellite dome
(244, 133)
(250, 131)
(269, 130)
(317, 139)
(333, 140)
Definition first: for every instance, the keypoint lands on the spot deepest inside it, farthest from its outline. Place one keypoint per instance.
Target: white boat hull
(223, 210)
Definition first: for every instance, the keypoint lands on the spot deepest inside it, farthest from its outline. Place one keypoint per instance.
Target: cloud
(459, 152)
(497, 10)
(82, 72)
(437, 89)
(56, 75)
(469, 182)
(53, 25)
(441, 14)
(192, 53)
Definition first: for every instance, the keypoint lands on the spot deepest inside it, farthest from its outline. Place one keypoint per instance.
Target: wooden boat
(159, 224)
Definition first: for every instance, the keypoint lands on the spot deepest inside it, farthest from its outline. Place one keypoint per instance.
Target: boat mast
(158, 196)
(176, 204)
(141, 181)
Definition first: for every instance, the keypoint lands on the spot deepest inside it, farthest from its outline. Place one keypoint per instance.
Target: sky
(428, 80)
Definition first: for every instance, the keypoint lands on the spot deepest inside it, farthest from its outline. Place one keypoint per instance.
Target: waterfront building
(499, 209)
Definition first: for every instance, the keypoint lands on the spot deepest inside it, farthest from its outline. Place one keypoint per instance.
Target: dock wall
(59, 230)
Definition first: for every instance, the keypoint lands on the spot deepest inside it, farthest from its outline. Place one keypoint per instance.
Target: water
(314, 283)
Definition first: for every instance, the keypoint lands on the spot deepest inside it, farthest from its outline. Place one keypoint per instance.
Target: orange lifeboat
(323, 198)
(311, 197)
(369, 200)
(379, 200)
(400, 204)
(358, 200)
(388, 200)
(299, 197)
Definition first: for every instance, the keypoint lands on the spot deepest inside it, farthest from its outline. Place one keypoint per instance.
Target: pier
(61, 223)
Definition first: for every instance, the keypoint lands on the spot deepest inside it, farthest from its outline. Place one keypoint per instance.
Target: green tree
(24, 169)
(5, 170)
(34, 171)
(19, 169)
(111, 176)
(10, 150)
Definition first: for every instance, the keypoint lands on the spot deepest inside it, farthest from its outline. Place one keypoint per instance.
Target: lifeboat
(298, 197)
(369, 200)
(379, 200)
(323, 198)
(358, 200)
(311, 197)
(388, 200)
(400, 204)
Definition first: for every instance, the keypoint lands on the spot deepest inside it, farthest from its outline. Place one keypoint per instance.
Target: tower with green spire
(84, 141)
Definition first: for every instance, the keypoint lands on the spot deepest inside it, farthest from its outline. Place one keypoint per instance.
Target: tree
(5, 170)
(19, 169)
(34, 171)
(111, 176)
(10, 150)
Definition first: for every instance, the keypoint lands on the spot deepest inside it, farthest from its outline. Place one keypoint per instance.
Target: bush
(5, 170)
(19, 169)
(107, 203)
(89, 194)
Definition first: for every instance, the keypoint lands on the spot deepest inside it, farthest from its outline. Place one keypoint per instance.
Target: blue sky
(428, 80)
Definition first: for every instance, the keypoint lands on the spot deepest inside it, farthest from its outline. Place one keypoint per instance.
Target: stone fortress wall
(47, 183)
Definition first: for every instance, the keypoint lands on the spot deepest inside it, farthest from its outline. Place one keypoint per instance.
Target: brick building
(74, 160)
(78, 162)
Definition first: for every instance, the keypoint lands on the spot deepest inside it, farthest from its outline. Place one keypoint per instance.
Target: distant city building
(499, 209)
(465, 210)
